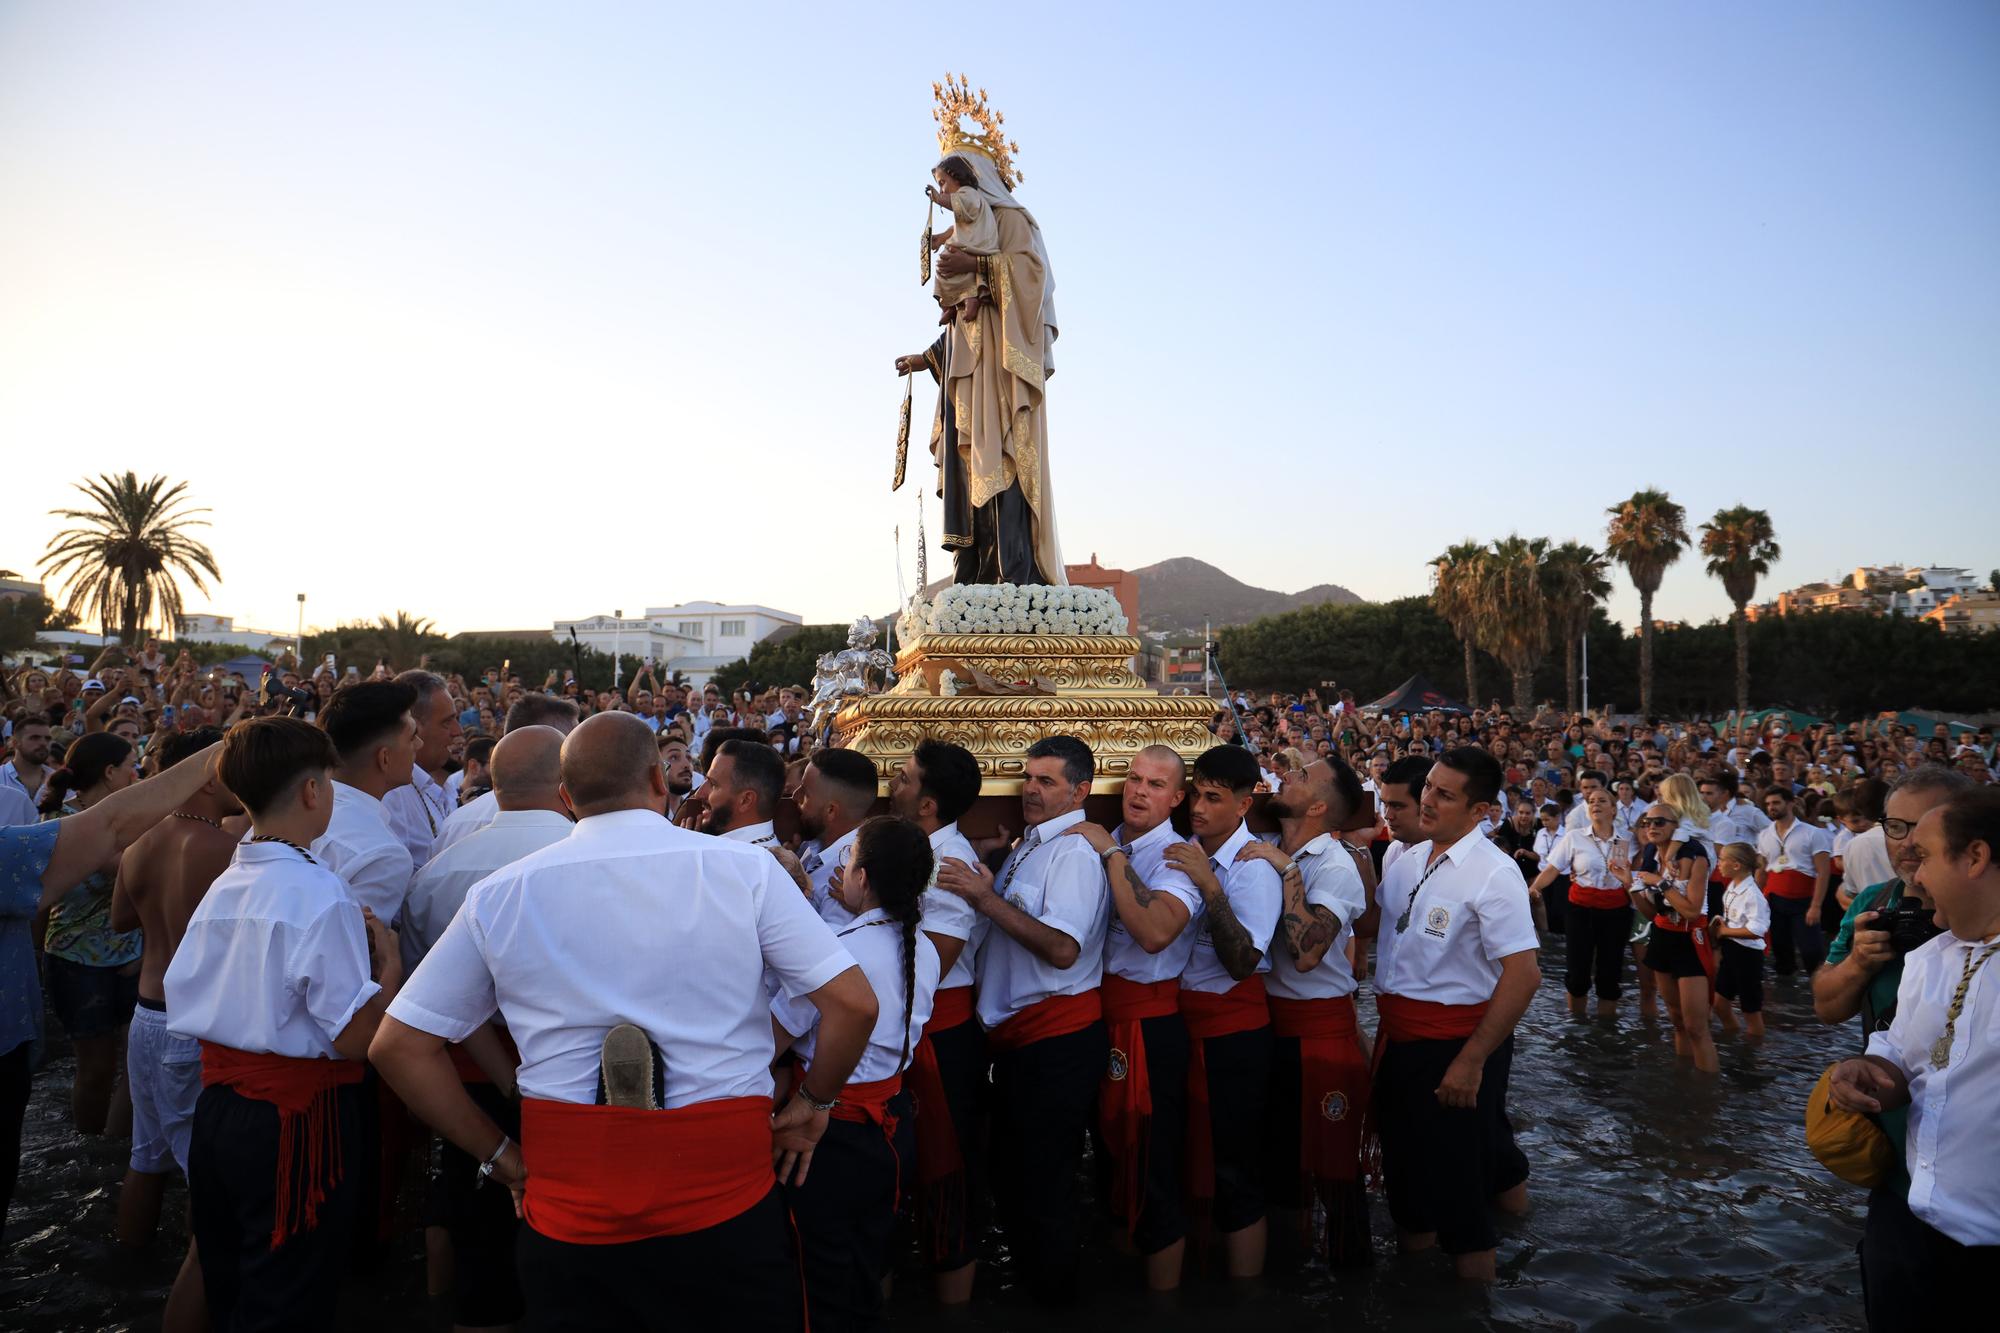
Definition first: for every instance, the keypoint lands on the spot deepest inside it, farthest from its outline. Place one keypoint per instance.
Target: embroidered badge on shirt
(1435, 922)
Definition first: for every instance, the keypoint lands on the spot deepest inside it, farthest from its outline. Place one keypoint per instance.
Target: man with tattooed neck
(1222, 1002)
(1142, 1102)
(1319, 1072)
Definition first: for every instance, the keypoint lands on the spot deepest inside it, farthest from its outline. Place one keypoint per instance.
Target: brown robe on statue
(990, 434)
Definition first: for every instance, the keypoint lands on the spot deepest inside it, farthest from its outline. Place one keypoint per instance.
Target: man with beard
(24, 774)
(746, 779)
(680, 771)
(834, 796)
(417, 812)
(1319, 1072)
(1142, 1102)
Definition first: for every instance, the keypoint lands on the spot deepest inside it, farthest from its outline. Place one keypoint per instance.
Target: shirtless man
(161, 879)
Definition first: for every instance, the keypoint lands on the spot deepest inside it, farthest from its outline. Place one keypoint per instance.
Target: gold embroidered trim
(1016, 362)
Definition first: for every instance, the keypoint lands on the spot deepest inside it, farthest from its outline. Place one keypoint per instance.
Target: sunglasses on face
(1655, 821)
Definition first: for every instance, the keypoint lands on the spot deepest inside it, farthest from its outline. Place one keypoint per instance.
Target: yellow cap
(1847, 1143)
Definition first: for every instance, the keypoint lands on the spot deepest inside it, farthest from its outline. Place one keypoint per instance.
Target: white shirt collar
(614, 822)
(830, 853)
(1225, 855)
(1049, 828)
(867, 918)
(764, 832)
(1454, 853)
(529, 819)
(1319, 846)
(944, 834)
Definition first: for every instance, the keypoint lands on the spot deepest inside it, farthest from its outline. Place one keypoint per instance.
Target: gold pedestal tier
(1097, 699)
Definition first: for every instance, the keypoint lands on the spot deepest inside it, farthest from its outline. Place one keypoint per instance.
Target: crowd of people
(310, 933)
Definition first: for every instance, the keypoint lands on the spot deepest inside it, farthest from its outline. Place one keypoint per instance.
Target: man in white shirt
(276, 1164)
(28, 768)
(935, 786)
(746, 780)
(1397, 795)
(1926, 1257)
(1038, 971)
(530, 710)
(1142, 1103)
(527, 780)
(1317, 1062)
(1222, 1002)
(417, 812)
(633, 933)
(834, 796)
(1798, 869)
(1455, 969)
(370, 725)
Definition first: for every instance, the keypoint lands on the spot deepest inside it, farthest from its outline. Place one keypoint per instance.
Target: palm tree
(405, 638)
(1575, 582)
(1513, 613)
(1648, 532)
(123, 562)
(1740, 545)
(1454, 596)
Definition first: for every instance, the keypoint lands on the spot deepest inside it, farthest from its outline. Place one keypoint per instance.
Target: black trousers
(741, 1275)
(1556, 902)
(486, 1291)
(1239, 1075)
(1792, 940)
(1443, 1164)
(961, 1057)
(1597, 942)
(1913, 1276)
(1043, 1093)
(15, 1081)
(1162, 1219)
(232, 1192)
(1739, 975)
(846, 1215)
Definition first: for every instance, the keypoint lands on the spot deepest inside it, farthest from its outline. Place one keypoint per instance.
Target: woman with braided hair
(845, 1205)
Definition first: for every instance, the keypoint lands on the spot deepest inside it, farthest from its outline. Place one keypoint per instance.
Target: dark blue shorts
(91, 1001)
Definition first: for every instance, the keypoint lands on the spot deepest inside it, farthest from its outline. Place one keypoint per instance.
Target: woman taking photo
(1671, 882)
(1599, 922)
(92, 970)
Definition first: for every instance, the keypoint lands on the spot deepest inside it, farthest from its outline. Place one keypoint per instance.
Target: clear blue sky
(508, 312)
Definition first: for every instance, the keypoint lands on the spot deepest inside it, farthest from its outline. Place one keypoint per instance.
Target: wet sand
(1658, 1195)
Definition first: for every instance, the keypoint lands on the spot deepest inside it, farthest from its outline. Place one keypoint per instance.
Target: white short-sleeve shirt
(1057, 881)
(1794, 850)
(1256, 895)
(948, 914)
(417, 814)
(1954, 1172)
(1333, 882)
(467, 820)
(1744, 905)
(275, 958)
(820, 863)
(1586, 859)
(875, 942)
(1123, 955)
(628, 920)
(441, 886)
(1472, 912)
(361, 848)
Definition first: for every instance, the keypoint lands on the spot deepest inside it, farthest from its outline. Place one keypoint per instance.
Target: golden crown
(955, 107)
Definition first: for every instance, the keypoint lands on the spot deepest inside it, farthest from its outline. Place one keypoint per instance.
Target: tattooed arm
(1233, 944)
(1308, 929)
(1153, 918)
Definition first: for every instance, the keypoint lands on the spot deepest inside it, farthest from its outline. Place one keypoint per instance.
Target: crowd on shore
(459, 875)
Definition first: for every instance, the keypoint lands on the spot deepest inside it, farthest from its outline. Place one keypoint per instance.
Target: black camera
(276, 692)
(1909, 924)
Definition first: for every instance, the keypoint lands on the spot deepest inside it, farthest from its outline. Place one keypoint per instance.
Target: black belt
(157, 1006)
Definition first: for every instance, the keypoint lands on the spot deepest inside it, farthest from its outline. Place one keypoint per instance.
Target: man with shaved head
(529, 814)
(628, 962)
(532, 710)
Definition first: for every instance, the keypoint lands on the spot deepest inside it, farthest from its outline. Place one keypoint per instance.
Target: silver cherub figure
(841, 676)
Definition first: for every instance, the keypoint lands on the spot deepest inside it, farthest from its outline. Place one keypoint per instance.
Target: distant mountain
(1178, 595)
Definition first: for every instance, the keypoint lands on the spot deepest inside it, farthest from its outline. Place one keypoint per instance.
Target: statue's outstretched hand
(910, 365)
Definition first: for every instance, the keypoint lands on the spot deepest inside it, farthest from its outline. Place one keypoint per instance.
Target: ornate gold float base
(1097, 698)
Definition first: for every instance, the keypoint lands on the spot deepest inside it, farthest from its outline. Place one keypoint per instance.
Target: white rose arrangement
(1007, 608)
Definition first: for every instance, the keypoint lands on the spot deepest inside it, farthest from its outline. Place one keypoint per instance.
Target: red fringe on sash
(308, 1139)
(1333, 1100)
(941, 1192)
(1125, 1096)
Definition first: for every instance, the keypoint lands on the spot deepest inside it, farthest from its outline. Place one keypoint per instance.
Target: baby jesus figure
(973, 232)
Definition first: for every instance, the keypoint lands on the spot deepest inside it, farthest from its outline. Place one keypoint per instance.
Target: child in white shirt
(1745, 921)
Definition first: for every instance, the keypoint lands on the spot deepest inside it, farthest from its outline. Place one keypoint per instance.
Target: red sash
(1405, 1019)
(1333, 1084)
(1056, 1016)
(866, 1103)
(308, 1138)
(1125, 1097)
(940, 1163)
(1241, 1008)
(604, 1175)
(1579, 896)
(1788, 884)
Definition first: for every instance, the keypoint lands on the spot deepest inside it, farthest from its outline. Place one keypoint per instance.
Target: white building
(202, 627)
(1934, 586)
(693, 638)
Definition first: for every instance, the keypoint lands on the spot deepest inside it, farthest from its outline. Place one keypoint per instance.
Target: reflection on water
(1657, 1195)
